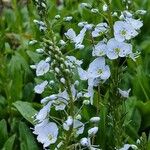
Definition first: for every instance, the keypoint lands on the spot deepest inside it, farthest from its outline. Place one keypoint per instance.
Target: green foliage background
(17, 99)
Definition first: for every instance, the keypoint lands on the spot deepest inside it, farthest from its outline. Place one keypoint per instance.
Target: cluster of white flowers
(117, 46)
(98, 72)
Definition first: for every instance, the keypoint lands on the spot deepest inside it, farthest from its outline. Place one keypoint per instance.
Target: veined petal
(79, 38)
(105, 73)
(82, 73)
(42, 68)
(40, 87)
(99, 49)
(136, 23)
(71, 35)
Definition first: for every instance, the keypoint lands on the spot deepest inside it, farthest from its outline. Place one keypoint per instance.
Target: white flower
(92, 131)
(73, 61)
(100, 29)
(99, 49)
(88, 26)
(79, 46)
(47, 132)
(124, 31)
(127, 14)
(123, 93)
(62, 99)
(96, 72)
(76, 39)
(135, 23)
(97, 68)
(48, 98)
(78, 126)
(68, 123)
(43, 113)
(82, 73)
(38, 22)
(40, 87)
(42, 68)
(117, 49)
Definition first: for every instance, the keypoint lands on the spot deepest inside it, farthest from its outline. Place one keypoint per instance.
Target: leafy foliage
(17, 98)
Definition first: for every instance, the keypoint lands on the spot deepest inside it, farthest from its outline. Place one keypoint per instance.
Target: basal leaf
(26, 110)
(27, 141)
(9, 143)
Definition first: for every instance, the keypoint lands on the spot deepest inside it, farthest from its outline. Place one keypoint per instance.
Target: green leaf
(145, 112)
(3, 132)
(34, 56)
(102, 133)
(9, 143)
(132, 119)
(27, 141)
(26, 110)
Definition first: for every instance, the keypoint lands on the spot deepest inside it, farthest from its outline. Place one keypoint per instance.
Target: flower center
(50, 137)
(123, 32)
(100, 71)
(117, 50)
(101, 52)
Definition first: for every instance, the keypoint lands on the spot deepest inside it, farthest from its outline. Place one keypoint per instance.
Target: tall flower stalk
(111, 44)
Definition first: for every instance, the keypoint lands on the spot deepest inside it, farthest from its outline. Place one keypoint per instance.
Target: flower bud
(40, 50)
(48, 59)
(141, 12)
(92, 131)
(51, 82)
(94, 10)
(105, 7)
(43, 5)
(86, 102)
(57, 69)
(68, 19)
(33, 66)
(62, 42)
(78, 117)
(62, 80)
(84, 142)
(95, 119)
(57, 17)
(32, 42)
(82, 24)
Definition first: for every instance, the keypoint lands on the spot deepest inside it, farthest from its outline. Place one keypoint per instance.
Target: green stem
(110, 20)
